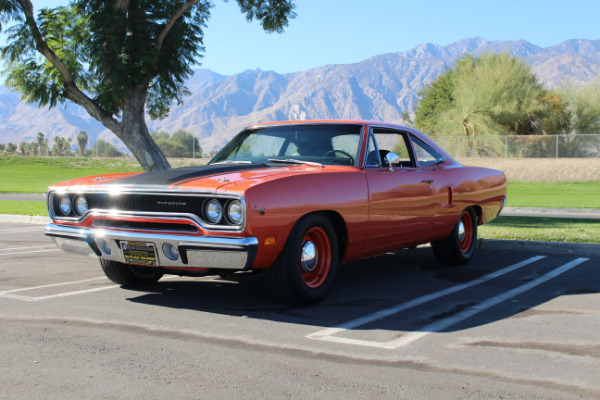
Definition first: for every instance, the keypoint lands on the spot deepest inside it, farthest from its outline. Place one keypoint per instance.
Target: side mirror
(390, 159)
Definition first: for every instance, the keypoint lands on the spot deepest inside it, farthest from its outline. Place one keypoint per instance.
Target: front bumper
(195, 251)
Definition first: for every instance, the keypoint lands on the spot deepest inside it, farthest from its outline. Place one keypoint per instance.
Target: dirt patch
(541, 169)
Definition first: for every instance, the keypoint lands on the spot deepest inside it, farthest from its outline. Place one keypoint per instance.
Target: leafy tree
(2, 147)
(11, 148)
(435, 99)
(116, 58)
(24, 148)
(172, 148)
(495, 94)
(181, 144)
(160, 135)
(105, 149)
(82, 139)
(33, 148)
(581, 118)
(582, 107)
(189, 141)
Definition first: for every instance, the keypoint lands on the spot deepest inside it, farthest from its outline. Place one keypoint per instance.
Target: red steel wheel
(458, 248)
(465, 231)
(304, 271)
(315, 257)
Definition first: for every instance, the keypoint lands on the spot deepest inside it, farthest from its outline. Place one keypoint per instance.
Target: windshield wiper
(233, 162)
(293, 161)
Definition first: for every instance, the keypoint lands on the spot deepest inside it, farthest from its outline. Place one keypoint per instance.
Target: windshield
(327, 144)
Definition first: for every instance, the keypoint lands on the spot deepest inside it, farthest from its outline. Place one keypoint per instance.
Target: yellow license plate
(141, 253)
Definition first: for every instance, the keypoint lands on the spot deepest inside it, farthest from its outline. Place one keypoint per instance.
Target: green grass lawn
(23, 207)
(35, 174)
(542, 229)
(554, 194)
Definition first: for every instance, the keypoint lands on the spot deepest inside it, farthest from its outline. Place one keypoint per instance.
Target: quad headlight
(81, 205)
(64, 205)
(223, 212)
(235, 212)
(213, 211)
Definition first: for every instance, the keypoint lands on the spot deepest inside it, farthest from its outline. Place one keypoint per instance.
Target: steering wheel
(342, 152)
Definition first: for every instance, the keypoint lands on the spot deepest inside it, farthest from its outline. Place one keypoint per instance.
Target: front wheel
(129, 275)
(458, 248)
(304, 271)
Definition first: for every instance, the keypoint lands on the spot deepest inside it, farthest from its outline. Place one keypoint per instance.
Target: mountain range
(379, 88)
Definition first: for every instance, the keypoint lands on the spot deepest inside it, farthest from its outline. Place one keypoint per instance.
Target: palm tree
(41, 142)
(82, 139)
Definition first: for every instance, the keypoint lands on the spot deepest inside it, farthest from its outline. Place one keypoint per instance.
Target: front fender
(275, 206)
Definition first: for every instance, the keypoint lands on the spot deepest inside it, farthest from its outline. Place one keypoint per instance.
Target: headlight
(235, 212)
(81, 205)
(213, 211)
(65, 205)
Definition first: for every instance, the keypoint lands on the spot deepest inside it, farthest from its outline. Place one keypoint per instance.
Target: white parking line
(21, 230)
(28, 247)
(53, 285)
(327, 334)
(484, 305)
(26, 252)
(10, 294)
(405, 340)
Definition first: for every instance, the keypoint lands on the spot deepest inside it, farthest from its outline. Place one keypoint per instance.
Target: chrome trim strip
(195, 251)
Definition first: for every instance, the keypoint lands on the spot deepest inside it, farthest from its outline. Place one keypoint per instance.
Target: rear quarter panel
(472, 186)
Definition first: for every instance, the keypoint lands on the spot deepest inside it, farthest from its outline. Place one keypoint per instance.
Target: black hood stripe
(179, 176)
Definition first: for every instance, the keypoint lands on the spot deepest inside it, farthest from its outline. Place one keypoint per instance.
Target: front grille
(136, 202)
(170, 204)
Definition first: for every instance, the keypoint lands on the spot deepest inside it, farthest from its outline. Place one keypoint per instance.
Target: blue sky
(348, 31)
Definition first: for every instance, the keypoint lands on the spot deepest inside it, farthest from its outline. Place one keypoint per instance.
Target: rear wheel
(129, 275)
(458, 248)
(304, 271)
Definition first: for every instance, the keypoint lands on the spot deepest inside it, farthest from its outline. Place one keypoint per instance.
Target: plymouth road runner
(290, 199)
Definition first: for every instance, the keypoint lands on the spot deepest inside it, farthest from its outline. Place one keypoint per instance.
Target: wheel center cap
(461, 231)
(308, 256)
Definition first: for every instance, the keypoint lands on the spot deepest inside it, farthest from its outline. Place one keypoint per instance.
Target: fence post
(505, 146)
(556, 146)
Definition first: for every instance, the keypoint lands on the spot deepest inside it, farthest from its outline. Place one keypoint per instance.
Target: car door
(402, 200)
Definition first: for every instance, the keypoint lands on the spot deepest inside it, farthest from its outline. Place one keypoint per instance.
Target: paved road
(508, 325)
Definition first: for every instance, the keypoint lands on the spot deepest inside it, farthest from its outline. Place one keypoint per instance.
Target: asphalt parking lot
(508, 325)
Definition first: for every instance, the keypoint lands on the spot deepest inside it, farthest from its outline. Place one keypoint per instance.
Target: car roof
(331, 121)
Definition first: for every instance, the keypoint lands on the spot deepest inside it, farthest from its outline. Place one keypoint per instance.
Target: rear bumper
(194, 251)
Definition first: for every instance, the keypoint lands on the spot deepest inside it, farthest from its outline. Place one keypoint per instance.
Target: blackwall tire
(296, 277)
(458, 248)
(129, 275)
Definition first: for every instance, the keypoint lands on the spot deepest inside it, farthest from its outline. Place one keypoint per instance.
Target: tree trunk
(133, 131)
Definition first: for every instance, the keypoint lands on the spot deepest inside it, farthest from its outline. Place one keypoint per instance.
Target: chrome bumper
(194, 251)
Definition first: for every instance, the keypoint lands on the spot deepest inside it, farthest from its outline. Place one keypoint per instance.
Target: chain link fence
(530, 146)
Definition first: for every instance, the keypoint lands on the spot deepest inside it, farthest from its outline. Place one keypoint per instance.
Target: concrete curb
(25, 219)
(553, 248)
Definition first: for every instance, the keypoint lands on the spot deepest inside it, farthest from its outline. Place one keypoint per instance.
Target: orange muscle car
(290, 199)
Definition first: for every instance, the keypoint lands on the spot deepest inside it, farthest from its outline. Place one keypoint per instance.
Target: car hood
(202, 178)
